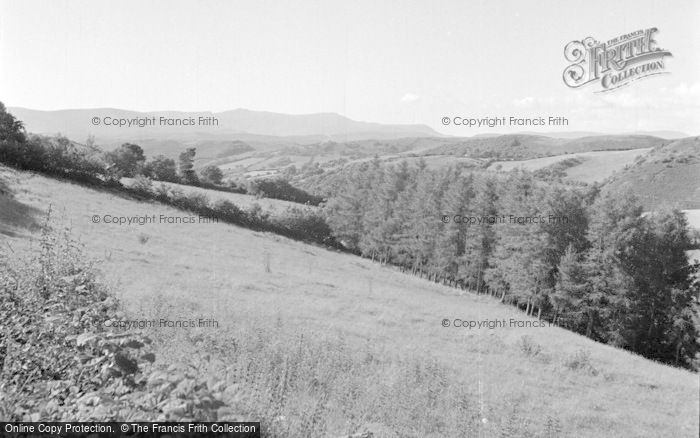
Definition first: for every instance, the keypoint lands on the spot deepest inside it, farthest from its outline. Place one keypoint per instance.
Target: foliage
(128, 159)
(211, 175)
(281, 189)
(161, 168)
(589, 262)
(186, 167)
(61, 359)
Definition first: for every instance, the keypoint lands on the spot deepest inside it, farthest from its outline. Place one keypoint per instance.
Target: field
(596, 166)
(272, 206)
(521, 381)
(668, 176)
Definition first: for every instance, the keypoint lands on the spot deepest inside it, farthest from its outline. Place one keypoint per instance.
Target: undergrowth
(59, 361)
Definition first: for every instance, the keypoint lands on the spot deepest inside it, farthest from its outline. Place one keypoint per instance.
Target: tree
(128, 159)
(612, 220)
(161, 168)
(345, 212)
(186, 167)
(450, 246)
(424, 222)
(12, 138)
(518, 255)
(571, 289)
(480, 240)
(660, 299)
(212, 174)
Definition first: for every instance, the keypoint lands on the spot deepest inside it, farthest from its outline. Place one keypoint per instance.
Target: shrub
(529, 347)
(211, 175)
(142, 186)
(305, 224)
(580, 360)
(161, 168)
(59, 361)
(229, 212)
(194, 202)
(281, 189)
(128, 158)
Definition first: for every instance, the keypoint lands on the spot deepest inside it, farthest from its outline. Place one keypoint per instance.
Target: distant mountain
(670, 135)
(668, 176)
(566, 134)
(78, 124)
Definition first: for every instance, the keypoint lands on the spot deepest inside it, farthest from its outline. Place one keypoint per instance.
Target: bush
(143, 186)
(194, 202)
(128, 158)
(229, 212)
(211, 175)
(162, 168)
(59, 361)
(281, 189)
(529, 347)
(305, 224)
(580, 361)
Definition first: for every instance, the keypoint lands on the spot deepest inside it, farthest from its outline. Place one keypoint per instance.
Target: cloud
(687, 90)
(525, 102)
(409, 97)
(625, 100)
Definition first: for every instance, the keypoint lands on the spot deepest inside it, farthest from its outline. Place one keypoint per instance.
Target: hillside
(601, 155)
(668, 176)
(591, 167)
(484, 382)
(274, 207)
(519, 147)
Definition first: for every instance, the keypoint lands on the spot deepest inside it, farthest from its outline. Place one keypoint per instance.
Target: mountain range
(245, 124)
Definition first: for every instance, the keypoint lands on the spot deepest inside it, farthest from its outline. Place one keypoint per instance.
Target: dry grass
(272, 206)
(595, 167)
(361, 346)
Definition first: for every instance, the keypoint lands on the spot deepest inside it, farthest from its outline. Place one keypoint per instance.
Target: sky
(378, 61)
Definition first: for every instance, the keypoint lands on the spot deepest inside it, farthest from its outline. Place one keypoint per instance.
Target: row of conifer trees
(590, 261)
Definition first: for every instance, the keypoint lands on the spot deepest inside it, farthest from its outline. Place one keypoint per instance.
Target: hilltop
(521, 147)
(668, 176)
(515, 380)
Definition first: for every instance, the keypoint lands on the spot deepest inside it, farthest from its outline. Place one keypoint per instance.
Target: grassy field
(272, 206)
(364, 344)
(596, 166)
(668, 176)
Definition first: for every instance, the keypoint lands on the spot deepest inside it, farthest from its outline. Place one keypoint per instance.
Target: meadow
(596, 165)
(322, 343)
(246, 202)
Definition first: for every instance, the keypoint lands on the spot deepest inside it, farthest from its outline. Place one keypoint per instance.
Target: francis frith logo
(614, 63)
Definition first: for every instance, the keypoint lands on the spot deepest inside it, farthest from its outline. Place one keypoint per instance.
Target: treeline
(61, 157)
(297, 223)
(281, 189)
(58, 156)
(595, 265)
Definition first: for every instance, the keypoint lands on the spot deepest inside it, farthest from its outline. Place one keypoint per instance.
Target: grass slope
(669, 176)
(512, 381)
(519, 147)
(268, 205)
(595, 166)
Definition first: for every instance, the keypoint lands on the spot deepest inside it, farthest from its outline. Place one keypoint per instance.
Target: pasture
(367, 337)
(596, 165)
